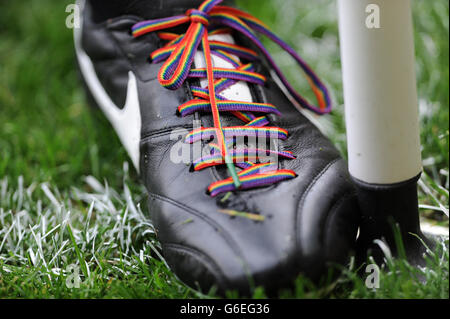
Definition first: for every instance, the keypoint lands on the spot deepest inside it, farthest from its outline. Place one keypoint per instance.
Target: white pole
(381, 110)
(381, 113)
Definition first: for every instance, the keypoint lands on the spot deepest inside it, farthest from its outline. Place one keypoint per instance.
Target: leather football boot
(244, 190)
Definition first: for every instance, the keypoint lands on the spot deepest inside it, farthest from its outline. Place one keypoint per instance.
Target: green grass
(57, 157)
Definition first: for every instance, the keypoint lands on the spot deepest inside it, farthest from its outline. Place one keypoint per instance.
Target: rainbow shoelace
(178, 54)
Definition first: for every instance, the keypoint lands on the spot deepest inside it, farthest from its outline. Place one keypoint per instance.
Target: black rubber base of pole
(387, 210)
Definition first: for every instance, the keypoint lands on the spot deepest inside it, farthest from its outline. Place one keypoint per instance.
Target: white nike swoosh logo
(126, 121)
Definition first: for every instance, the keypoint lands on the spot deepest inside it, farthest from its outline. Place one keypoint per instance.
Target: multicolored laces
(178, 53)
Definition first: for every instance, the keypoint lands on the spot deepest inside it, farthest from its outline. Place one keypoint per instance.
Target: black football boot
(222, 224)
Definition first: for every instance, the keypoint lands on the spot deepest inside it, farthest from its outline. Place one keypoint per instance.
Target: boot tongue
(155, 9)
(146, 9)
